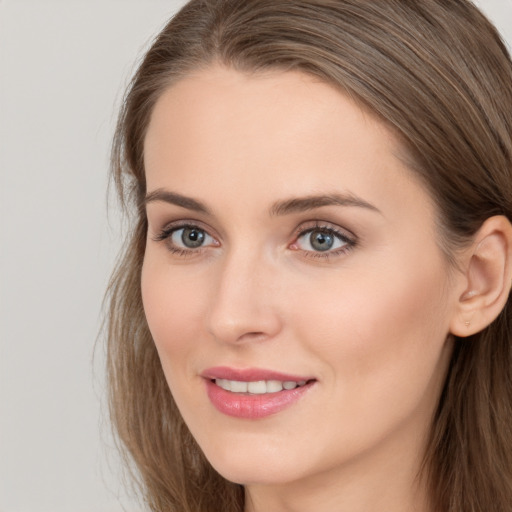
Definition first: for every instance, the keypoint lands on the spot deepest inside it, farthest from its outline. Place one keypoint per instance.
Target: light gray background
(63, 67)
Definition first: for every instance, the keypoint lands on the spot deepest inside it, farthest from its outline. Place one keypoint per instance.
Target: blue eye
(322, 240)
(190, 237)
(186, 240)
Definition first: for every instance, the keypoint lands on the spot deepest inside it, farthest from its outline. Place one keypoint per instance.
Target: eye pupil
(192, 237)
(321, 241)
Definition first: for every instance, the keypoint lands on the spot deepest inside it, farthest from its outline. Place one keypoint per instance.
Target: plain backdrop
(63, 68)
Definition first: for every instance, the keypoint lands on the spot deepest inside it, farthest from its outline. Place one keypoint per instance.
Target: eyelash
(349, 241)
(166, 234)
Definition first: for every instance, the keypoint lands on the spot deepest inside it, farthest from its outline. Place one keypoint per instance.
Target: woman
(312, 311)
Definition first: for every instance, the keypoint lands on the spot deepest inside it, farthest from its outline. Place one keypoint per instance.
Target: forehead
(278, 133)
(220, 97)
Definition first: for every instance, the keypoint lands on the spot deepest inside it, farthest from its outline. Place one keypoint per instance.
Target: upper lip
(250, 374)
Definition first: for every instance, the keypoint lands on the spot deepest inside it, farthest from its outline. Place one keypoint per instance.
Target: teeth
(274, 386)
(237, 386)
(224, 384)
(259, 387)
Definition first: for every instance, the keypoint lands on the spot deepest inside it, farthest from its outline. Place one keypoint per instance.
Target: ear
(487, 276)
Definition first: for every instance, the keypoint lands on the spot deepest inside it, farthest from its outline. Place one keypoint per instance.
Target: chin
(255, 474)
(257, 463)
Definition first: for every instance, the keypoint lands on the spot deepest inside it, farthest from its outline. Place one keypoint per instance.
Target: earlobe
(488, 274)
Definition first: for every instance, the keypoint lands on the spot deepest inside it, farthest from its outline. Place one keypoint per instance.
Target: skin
(369, 320)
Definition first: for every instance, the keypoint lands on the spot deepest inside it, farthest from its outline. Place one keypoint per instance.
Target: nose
(243, 305)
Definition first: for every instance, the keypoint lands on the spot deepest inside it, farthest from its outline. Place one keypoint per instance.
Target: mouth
(258, 387)
(253, 393)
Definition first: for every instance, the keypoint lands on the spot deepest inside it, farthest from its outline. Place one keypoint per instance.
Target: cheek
(173, 307)
(382, 334)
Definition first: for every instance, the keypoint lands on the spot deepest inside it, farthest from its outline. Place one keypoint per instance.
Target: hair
(436, 73)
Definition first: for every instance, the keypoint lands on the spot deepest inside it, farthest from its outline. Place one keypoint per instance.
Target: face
(292, 280)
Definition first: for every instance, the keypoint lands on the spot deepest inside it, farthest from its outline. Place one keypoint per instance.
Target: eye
(185, 240)
(320, 240)
(190, 237)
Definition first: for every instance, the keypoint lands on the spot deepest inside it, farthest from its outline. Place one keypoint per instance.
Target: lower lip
(252, 407)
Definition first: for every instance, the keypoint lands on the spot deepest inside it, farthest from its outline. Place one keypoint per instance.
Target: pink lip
(250, 374)
(241, 405)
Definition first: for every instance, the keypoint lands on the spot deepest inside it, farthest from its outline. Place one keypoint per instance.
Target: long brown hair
(437, 73)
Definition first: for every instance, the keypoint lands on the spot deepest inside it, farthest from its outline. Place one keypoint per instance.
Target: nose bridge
(241, 306)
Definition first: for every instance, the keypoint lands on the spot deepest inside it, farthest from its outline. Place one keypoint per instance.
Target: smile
(258, 387)
(254, 393)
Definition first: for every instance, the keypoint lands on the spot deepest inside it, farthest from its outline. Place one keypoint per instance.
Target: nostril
(253, 336)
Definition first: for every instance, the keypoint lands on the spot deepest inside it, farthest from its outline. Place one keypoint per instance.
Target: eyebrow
(302, 204)
(285, 207)
(177, 199)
